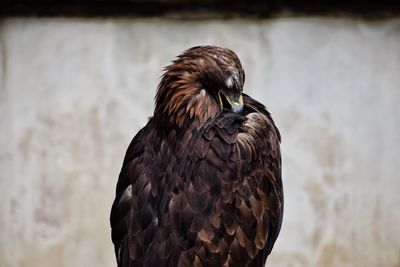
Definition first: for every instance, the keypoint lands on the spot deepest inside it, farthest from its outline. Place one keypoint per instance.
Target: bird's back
(198, 197)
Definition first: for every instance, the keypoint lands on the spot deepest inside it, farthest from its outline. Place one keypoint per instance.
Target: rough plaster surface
(74, 92)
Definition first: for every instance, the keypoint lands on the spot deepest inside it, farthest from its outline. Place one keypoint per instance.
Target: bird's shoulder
(212, 189)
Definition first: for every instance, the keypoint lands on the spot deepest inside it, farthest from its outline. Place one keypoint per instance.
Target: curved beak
(235, 101)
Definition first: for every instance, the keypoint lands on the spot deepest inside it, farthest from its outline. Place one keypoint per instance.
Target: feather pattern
(200, 185)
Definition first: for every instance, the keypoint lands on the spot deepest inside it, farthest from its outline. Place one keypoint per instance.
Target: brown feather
(200, 186)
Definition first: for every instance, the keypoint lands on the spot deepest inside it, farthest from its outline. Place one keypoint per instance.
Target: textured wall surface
(73, 93)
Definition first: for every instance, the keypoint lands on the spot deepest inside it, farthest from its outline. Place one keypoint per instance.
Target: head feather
(189, 86)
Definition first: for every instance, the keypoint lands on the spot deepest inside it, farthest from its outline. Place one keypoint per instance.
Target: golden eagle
(201, 183)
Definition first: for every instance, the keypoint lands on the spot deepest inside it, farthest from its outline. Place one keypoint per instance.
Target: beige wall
(74, 92)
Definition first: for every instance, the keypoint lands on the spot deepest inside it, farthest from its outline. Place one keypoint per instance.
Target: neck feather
(181, 99)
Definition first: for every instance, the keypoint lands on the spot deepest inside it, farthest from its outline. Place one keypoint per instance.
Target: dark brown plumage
(201, 183)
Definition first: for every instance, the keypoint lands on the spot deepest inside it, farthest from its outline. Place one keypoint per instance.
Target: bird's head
(202, 81)
(220, 74)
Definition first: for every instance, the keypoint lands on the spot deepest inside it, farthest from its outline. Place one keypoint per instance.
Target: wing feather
(210, 196)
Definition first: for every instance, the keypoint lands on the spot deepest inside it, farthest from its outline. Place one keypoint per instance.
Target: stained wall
(73, 92)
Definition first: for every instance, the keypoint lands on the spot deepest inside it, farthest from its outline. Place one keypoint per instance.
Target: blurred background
(78, 78)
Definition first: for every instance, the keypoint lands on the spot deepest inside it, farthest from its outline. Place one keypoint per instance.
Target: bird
(200, 184)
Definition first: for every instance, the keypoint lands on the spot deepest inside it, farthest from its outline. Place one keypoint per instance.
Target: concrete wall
(75, 91)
